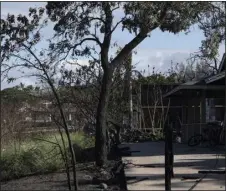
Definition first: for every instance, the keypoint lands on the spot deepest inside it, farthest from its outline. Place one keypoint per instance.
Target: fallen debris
(212, 171)
(103, 186)
(190, 177)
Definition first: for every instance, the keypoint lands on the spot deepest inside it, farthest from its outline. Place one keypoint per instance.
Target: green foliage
(168, 16)
(19, 94)
(16, 29)
(35, 156)
(213, 25)
(148, 136)
(141, 135)
(190, 71)
(31, 158)
(157, 78)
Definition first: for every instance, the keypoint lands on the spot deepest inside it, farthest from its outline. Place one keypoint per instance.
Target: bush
(35, 156)
(138, 135)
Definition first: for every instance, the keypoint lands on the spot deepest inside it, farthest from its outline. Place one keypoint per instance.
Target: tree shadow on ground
(195, 158)
(198, 164)
(158, 149)
(178, 181)
(217, 180)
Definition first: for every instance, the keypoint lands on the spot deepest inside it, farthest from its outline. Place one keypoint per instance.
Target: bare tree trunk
(162, 119)
(101, 128)
(130, 102)
(67, 134)
(166, 115)
(64, 154)
(64, 158)
(153, 118)
(70, 145)
(127, 95)
(152, 121)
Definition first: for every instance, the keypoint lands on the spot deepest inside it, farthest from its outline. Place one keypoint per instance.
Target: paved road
(145, 169)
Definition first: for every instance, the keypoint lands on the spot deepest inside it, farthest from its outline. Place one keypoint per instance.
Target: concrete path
(145, 169)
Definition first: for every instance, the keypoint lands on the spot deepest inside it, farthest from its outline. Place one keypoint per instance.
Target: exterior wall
(162, 108)
(197, 113)
(215, 109)
(40, 116)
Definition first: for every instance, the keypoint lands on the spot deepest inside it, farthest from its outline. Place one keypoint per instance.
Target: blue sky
(157, 50)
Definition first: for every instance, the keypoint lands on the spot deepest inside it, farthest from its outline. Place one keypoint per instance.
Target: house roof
(222, 65)
(195, 87)
(216, 77)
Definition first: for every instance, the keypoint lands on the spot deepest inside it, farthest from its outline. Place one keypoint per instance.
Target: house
(203, 101)
(44, 112)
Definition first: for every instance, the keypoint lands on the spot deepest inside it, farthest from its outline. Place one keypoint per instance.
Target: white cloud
(161, 58)
(27, 81)
(158, 54)
(158, 58)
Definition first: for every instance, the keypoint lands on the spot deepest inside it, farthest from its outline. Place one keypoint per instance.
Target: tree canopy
(213, 24)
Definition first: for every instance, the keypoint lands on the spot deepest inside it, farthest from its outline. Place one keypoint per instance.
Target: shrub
(36, 156)
(138, 135)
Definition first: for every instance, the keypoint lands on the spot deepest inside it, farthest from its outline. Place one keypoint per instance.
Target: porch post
(140, 107)
(202, 108)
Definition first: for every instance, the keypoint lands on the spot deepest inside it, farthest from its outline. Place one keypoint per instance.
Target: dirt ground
(58, 181)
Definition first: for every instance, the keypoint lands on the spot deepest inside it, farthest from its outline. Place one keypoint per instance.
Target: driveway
(145, 168)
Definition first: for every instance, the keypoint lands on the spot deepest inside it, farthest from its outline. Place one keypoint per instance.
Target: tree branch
(97, 39)
(107, 36)
(138, 39)
(87, 39)
(129, 47)
(117, 25)
(39, 139)
(26, 60)
(96, 18)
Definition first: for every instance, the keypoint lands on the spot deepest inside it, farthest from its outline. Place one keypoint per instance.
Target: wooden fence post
(171, 149)
(168, 157)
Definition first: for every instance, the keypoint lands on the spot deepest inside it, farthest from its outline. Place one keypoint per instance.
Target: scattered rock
(95, 180)
(116, 188)
(103, 186)
(105, 174)
(87, 177)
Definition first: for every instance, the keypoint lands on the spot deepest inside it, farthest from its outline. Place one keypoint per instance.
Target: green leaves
(156, 79)
(20, 29)
(213, 24)
(11, 18)
(9, 80)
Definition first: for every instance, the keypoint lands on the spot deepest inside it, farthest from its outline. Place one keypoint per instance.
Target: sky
(157, 50)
